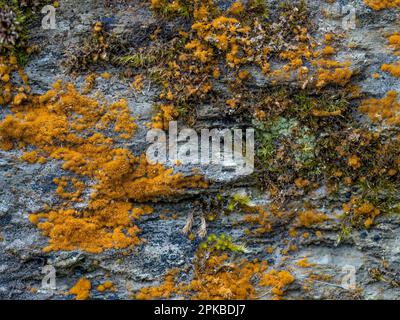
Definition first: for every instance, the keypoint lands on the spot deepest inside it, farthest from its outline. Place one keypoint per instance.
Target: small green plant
(221, 243)
(286, 138)
(136, 60)
(173, 9)
(238, 201)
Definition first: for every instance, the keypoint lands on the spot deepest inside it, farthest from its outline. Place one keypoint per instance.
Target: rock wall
(27, 188)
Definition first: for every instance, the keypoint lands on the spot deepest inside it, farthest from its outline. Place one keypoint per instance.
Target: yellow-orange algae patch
(278, 280)
(382, 4)
(384, 110)
(310, 217)
(81, 289)
(65, 125)
(216, 278)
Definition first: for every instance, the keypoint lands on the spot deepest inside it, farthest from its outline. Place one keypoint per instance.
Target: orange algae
(225, 33)
(138, 83)
(278, 280)
(233, 280)
(216, 278)
(310, 217)
(328, 50)
(167, 113)
(354, 162)
(393, 69)
(361, 212)
(296, 56)
(33, 157)
(384, 110)
(107, 285)
(328, 37)
(301, 183)
(293, 233)
(7, 66)
(303, 263)
(394, 42)
(106, 76)
(332, 72)
(64, 125)
(262, 218)
(165, 290)
(69, 188)
(236, 8)
(81, 289)
(382, 4)
(376, 75)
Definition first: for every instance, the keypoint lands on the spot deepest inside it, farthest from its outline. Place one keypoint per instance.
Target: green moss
(137, 60)
(305, 151)
(287, 138)
(221, 243)
(238, 201)
(145, 58)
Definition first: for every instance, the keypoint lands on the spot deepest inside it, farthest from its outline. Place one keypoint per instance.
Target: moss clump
(15, 19)
(95, 49)
(285, 146)
(139, 60)
(9, 28)
(169, 9)
(358, 212)
(221, 243)
(313, 139)
(238, 201)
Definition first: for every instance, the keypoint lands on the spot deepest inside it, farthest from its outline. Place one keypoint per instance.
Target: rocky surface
(26, 188)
